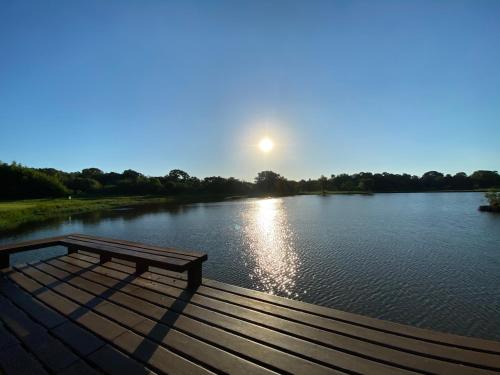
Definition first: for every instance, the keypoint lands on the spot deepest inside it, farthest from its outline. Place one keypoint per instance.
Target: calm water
(430, 260)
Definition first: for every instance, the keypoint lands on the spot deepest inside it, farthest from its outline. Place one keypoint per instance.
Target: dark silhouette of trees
(485, 179)
(18, 182)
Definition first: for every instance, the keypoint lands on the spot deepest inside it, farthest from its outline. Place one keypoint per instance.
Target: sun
(266, 144)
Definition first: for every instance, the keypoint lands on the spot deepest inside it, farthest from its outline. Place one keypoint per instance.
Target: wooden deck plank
(194, 348)
(95, 323)
(84, 343)
(78, 339)
(160, 357)
(432, 350)
(418, 361)
(468, 343)
(103, 318)
(79, 368)
(6, 338)
(30, 245)
(113, 362)
(464, 342)
(51, 352)
(15, 360)
(46, 316)
(318, 353)
(180, 342)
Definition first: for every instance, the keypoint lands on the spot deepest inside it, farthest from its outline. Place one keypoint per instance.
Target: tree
(267, 181)
(432, 180)
(19, 182)
(485, 179)
(81, 184)
(366, 184)
(92, 172)
(323, 181)
(461, 181)
(178, 175)
(130, 173)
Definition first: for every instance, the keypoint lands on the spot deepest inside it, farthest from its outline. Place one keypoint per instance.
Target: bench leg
(4, 260)
(141, 268)
(72, 249)
(194, 276)
(104, 258)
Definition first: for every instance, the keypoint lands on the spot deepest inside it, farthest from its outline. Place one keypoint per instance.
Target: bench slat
(173, 264)
(30, 245)
(138, 249)
(191, 254)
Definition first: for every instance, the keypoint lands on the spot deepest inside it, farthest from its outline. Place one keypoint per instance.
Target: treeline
(20, 182)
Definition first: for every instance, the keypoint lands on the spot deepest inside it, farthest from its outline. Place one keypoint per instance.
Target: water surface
(430, 260)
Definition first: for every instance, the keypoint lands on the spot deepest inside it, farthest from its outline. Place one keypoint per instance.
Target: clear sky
(339, 86)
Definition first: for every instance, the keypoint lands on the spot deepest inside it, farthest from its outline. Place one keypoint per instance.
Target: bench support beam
(4, 260)
(72, 249)
(194, 276)
(141, 268)
(104, 258)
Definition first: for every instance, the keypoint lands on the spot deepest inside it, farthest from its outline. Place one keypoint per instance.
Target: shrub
(493, 198)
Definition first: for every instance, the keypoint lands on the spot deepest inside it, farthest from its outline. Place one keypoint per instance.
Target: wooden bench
(144, 256)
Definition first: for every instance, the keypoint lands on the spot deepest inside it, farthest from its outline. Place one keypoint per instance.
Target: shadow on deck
(73, 315)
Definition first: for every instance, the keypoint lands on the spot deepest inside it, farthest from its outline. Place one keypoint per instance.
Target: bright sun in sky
(266, 144)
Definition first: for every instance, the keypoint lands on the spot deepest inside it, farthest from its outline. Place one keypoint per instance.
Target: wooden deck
(73, 315)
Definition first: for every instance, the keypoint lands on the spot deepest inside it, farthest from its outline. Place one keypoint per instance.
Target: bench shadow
(162, 327)
(152, 340)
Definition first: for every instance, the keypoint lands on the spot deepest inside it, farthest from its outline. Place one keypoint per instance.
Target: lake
(427, 259)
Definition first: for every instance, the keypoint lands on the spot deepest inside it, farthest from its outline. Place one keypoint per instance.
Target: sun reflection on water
(273, 260)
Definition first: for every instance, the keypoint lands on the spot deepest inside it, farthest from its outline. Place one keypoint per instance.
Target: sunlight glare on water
(273, 261)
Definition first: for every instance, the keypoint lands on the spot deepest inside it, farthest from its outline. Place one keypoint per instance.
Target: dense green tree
(92, 173)
(485, 179)
(17, 181)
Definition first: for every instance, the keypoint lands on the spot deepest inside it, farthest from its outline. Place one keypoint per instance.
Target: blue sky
(340, 86)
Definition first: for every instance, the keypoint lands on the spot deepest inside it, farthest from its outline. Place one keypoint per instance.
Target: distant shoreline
(16, 213)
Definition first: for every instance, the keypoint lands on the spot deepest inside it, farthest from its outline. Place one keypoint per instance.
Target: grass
(16, 213)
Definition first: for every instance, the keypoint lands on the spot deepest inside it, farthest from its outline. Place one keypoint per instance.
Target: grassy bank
(16, 213)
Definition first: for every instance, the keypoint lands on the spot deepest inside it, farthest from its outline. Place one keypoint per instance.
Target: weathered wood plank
(114, 362)
(98, 312)
(141, 248)
(97, 324)
(189, 253)
(41, 313)
(79, 368)
(15, 360)
(404, 346)
(48, 350)
(398, 357)
(108, 250)
(180, 342)
(6, 338)
(198, 350)
(468, 343)
(30, 245)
